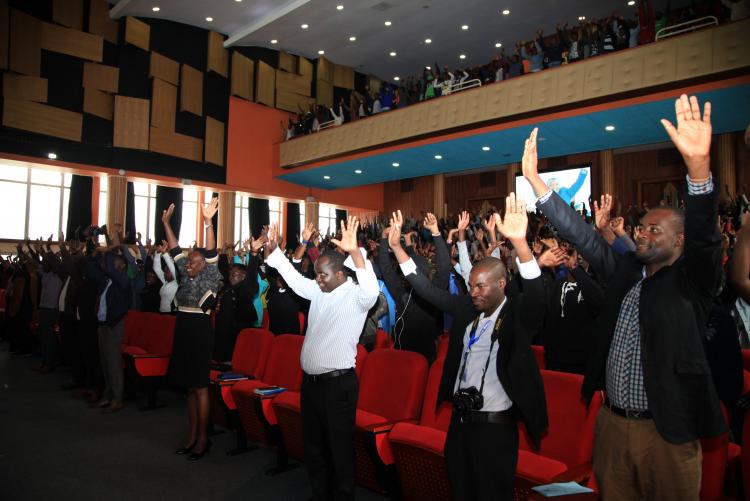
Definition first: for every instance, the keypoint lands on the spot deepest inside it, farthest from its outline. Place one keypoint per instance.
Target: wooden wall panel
(324, 93)
(131, 129)
(176, 145)
(290, 82)
(24, 88)
(214, 142)
(25, 54)
(343, 76)
(218, 56)
(730, 46)
(287, 62)
(101, 77)
(42, 119)
(73, 43)
(325, 69)
(100, 22)
(68, 13)
(305, 67)
(265, 84)
(164, 68)
(413, 202)
(4, 34)
(137, 33)
(191, 90)
(289, 101)
(242, 76)
(98, 103)
(374, 83)
(163, 105)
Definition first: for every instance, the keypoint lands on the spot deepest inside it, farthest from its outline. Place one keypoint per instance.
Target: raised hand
(692, 136)
(552, 258)
(272, 235)
(551, 243)
(516, 221)
(138, 236)
(257, 244)
(451, 234)
(308, 232)
(489, 225)
(348, 242)
(602, 210)
(529, 167)
(394, 235)
(618, 226)
(210, 209)
(430, 222)
(166, 215)
(463, 221)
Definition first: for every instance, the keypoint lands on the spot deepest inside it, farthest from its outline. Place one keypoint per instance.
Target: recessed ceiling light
(485, 148)
(428, 67)
(304, 26)
(209, 19)
(326, 177)
(358, 171)
(387, 23)
(395, 164)
(397, 78)
(438, 157)
(352, 39)
(462, 56)
(465, 27)
(506, 12)
(428, 40)
(581, 18)
(498, 45)
(52, 156)
(238, 1)
(155, 9)
(321, 52)
(274, 41)
(339, 7)
(393, 54)
(609, 128)
(631, 2)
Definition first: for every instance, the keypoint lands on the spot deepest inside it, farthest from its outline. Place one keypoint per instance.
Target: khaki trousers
(633, 462)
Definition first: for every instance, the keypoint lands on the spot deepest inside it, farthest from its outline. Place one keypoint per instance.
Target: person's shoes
(115, 406)
(184, 450)
(195, 456)
(100, 404)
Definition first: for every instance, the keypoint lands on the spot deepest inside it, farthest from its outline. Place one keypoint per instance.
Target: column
(607, 170)
(511, 170)
(311, 210)
(117, 196)
(225, 231)
(726, 165)
(438, 195)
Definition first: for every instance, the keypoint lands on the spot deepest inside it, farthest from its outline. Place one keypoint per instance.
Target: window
(38, 199)
(327, 219)
(274, 211)
(102, 201)
(301, 217)
(189, 216)
(145, 209)
(241, 218)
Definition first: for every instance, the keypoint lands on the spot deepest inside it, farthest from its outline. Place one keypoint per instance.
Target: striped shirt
(336, 318)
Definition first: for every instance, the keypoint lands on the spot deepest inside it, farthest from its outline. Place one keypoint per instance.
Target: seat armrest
(149, 355)
(220, 366)
(385, 427)
(579, 473)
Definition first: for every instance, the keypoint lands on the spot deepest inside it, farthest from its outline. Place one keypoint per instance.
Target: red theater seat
(382, 340)
(538, 355)
(746, 359)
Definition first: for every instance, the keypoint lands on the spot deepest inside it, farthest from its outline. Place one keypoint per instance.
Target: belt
(498, 417)
(192, 309)
(627, 413)
(327, 375)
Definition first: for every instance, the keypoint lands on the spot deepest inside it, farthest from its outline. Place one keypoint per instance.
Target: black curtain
(259, 216)
(130, 216)
(165, 196)
(79, 205)
(340, 216)
(292, 224)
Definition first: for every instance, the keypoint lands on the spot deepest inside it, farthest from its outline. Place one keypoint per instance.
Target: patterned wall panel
(214, 153)
(101, 77)
(24, 87)
(100, 22)
(176, 145)
(243, 73)
(163, 105)
(218, 56)
(131, 123)
(137, 33)
(694, 54)
(42, 119)
(164, 68)
(191, 90)
(68, 13)
(25, 54)
(598, 79)
(98, 103)
(730, 48)
(265, 84)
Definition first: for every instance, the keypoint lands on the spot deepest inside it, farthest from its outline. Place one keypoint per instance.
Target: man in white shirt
(338, 309)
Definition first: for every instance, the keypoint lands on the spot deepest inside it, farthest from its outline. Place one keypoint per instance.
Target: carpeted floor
(53, 446)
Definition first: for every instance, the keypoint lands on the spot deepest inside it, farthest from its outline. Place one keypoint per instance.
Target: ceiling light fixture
(274, 41)
(428, 67)
(397, 78)
(304, 26)
(393, 54)
(506, 12)
(462, 56)
(498, 45)
(485, 148)
(155, 9)
(465, 27)
(438, 157)
(428, 40)
(52, 156)
(326, 177)
(209, 19)
(387, 23)
(339, 7)
(631, 2)
(358, 171)
(237, 1)
(581, 18)
(352, 39)
(609, 128)
(395, 164)
(321, 52)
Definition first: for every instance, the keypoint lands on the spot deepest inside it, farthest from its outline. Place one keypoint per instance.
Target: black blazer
(674, 307)
(516, 367)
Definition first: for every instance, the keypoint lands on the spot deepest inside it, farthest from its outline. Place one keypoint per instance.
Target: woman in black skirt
(199, 279)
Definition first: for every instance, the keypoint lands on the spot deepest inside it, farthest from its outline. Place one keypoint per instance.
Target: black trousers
(481, 460)
(329, 407)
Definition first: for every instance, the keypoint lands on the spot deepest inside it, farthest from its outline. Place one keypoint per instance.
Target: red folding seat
(136, 331)
(566, 447)
(443, 342)
(746, 453)
(288, 413)
(746, 359)
(382, 340)
(256, 413)
(538, 355)
(265, 322)
(151, 362)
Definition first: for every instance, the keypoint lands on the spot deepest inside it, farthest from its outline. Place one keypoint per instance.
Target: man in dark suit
(489, 371)
(648, 355)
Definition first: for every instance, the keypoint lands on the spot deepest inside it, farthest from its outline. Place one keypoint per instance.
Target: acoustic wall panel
(289, 101)
(131, 123)
(68, 13)
(25, 54)
(100, 22)
(305, 67)
(265, 84)
(96, 102)
(730, 46)
(324, 93)
(72, 42)
(163, 105)
(628, 72)
(291, 82)
(4, 34)
(214, 142)
(137, 33)
(325, 69)
(242, 76)
(218, 56)
(191, 90)
(164, 68)
(42, 119)
(24, 87)
(343, 76)
(694, 55)
(176, 145)
(101, 77)
(598, 80)
(287, 62)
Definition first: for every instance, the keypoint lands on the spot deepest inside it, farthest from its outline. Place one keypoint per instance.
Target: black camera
(466, 400)
(85, 232)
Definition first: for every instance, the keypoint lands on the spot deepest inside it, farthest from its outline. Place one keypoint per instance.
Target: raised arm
(463, 252)
(601, 212)
(303, 287)
(157, 266)
(208, 213)
(368, 288)
(442, 258)
(165, 217)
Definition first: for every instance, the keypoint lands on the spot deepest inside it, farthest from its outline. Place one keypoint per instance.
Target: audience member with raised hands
(648, 352)
(601, 211)
(167, 277)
